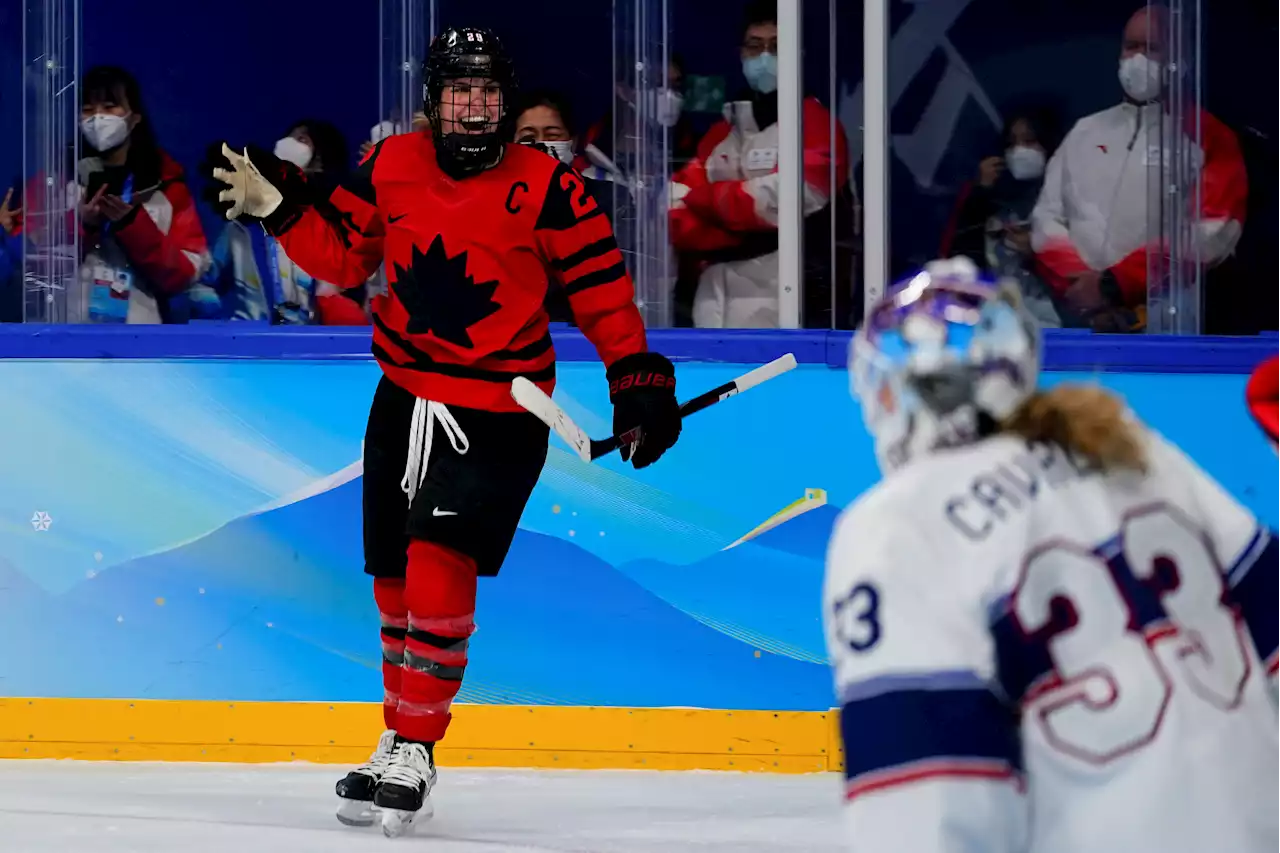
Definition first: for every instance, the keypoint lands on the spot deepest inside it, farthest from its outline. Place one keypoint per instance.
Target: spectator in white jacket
(1094, 230)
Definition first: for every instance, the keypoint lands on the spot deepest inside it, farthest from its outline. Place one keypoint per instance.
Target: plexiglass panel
(734, 226)
(1119, 161)
(1187, 214)
(405, 28)
(831, 84)
(1070, 147)
(638, 162)
(50, 244)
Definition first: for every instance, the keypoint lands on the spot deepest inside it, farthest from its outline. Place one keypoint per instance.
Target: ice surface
(110, 807)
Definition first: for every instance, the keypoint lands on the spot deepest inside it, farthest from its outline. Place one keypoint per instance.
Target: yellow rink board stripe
(480, 735)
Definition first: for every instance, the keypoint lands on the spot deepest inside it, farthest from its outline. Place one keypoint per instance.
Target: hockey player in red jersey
(472, 230)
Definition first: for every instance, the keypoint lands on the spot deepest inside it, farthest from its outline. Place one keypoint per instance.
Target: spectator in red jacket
(142, 242)
(724, 202)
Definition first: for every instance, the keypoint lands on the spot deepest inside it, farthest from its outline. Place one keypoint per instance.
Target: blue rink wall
(189, 527)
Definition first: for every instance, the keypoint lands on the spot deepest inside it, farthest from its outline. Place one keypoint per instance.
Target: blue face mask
(761, 72)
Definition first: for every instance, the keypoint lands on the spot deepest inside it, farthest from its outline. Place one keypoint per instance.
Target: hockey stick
(589, 449)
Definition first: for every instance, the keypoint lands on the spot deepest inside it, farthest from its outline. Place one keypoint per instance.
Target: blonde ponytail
(1087, 421)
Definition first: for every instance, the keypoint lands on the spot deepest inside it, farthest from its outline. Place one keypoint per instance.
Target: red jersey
(469, 263)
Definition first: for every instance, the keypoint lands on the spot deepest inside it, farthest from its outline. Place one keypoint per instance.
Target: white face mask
(1025, 163)
(1141, 78)
(104, 132)
(295, 151)
(561, 149)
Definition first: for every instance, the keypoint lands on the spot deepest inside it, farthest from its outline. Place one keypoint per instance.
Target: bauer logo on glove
(642, 379)
(642, 388)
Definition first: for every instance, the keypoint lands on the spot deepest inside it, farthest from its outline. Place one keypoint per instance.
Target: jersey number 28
(1127, 625)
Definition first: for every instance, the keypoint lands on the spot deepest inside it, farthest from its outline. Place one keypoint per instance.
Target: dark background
(295, 58)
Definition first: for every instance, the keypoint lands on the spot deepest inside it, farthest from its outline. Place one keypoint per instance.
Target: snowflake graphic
(41, 520)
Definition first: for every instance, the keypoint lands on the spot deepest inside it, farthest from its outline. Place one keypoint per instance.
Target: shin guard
(440, 594)
(389, 594)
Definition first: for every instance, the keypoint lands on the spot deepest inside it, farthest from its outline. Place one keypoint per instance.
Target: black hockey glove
(254, 185)
(642, 388)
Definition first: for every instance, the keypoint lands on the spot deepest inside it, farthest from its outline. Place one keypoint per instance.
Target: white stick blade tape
(765, 372)
(535, 401)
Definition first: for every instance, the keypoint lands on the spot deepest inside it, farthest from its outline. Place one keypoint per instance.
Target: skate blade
(398, 822)
(356, 813)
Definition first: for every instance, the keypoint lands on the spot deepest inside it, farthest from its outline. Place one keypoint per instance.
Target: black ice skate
(404, 793)
(357, 787)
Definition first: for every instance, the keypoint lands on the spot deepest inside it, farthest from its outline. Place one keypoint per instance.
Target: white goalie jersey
(1030, 656)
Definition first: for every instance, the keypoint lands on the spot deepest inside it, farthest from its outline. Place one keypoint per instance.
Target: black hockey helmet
(468, 53)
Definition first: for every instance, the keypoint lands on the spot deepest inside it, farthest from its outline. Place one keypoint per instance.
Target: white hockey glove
(247, 190)
(255, 185)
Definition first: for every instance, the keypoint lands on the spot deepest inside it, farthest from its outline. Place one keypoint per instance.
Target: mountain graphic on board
(275, 606)
(764, 588)
(800, 527)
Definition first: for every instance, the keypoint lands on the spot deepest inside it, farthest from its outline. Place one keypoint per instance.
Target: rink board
(180, 550)
(480, 735)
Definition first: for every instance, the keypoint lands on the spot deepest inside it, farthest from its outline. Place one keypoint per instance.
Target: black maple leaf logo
(440, 297)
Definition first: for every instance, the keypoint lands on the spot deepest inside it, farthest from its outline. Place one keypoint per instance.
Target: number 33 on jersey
(1034, 657)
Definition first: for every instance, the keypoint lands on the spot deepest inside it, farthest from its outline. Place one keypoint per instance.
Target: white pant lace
(421, 429)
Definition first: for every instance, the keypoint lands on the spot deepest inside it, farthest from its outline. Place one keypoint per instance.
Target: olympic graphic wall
(190, 529)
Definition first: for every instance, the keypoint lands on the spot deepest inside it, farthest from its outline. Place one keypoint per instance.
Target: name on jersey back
(1007, 488)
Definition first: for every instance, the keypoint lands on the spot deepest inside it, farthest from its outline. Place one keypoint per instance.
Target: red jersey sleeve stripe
(924, 771)
(608, 275)
(577, 240)
(598, 249)
(592, 266)
(571, 239)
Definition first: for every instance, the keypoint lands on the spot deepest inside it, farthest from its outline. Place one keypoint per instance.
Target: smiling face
(470, 105)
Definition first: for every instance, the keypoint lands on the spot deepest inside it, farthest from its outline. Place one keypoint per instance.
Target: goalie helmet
(941, 360)
(468, 89)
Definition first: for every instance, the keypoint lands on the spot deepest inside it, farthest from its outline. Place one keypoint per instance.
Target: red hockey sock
(389, 594)
(440, 592)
